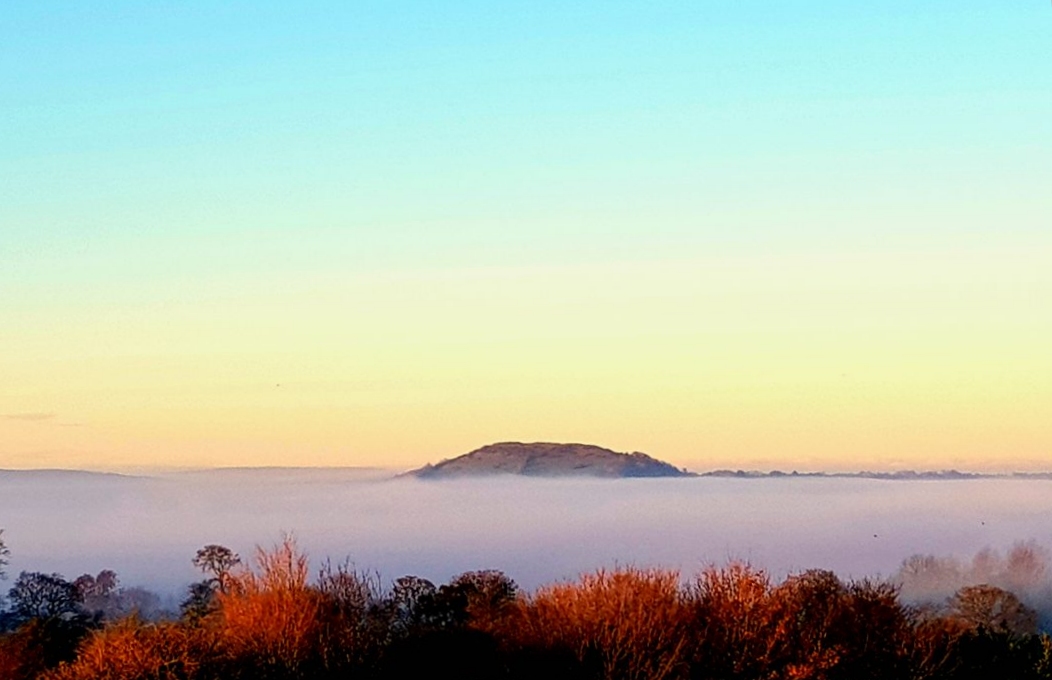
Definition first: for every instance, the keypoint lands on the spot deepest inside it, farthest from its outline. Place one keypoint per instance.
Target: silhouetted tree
(358, 618)
(488, 588)
(479, 595)
(5, 555)
(419, 605)
(413, 600)
(351, 591)
(432, 639)
(36, 595)
(217, 560)
(200, 601)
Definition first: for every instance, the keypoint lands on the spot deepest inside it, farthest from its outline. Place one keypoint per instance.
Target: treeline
(271, 620)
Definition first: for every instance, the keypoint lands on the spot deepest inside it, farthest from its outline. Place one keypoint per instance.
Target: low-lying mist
(1025, 570)
(537, 531)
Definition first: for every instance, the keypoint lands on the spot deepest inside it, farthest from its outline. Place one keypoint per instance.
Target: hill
(549, 460)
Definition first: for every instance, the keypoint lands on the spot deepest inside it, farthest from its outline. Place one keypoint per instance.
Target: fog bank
(536, 530)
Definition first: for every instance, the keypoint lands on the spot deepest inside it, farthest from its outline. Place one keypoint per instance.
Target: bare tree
(36, 595)
(350, 589)
(218, 561)
(993, 608)
(5, 555)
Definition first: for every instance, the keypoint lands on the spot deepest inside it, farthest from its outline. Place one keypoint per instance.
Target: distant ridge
(544, 459)
(70, 472)
(59, 474)
(905, 475)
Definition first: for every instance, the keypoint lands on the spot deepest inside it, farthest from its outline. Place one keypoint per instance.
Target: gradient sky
(797, 234)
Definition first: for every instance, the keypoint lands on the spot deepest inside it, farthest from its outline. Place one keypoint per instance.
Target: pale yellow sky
(834, 361)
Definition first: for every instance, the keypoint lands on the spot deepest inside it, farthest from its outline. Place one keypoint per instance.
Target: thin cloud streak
(30, 417)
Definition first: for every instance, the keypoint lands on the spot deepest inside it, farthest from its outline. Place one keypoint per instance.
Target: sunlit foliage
(272, 620)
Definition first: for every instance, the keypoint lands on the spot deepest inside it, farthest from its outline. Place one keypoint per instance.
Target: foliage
(268, 620)
(412, 603)
(271, 620)
(99, 595)
(200, 601)
(357, 617)
(734, 630)
(133, 650)
(627, 624)
(993, 609)
(40, 644)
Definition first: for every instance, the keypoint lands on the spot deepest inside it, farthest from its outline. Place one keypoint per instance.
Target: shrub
(40, 644)
(836, 630)
(626, 624)
(734, 632)
(268, 620)
(356, 621)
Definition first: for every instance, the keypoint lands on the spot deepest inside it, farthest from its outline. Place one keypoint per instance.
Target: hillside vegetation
(549, 460)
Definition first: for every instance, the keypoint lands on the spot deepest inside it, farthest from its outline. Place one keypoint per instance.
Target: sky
(808, 235)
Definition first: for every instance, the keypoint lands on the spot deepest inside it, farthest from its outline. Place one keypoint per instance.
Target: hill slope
(549, 460)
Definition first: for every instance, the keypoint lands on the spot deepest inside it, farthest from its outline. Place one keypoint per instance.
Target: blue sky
(397, 119)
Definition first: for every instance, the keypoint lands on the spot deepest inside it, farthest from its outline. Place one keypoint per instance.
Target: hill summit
(549, 460)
